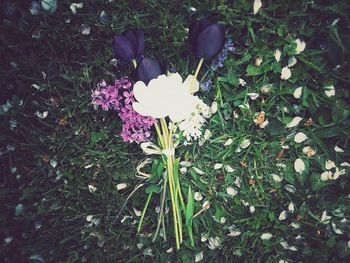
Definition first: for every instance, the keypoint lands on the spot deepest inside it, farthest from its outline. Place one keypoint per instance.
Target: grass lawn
(274, 193)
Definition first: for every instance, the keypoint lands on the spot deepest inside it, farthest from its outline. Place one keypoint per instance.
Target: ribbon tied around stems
(151, 148)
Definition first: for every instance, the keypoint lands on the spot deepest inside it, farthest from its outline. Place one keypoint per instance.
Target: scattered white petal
(92, 188)
(89, 218)
(251, 209)
(330, 91)
(244, 106)
(283, 215)
(228, 168)
(299, 165)
(231, 191)
(228, 142)
(286, 73)
(245, 144)
(53, 163)
(329, 164)
(300, 46)
(198, 171)
(327, 175)
(292, 61)
(256, 6)
(207, 134)
(278, 55)
(258, 61)
(137, 212)
(206, 204)
(336, 230)
(204, 237)
(295, 122)
(217, 166)
(121, 186)
(349, 244)
(297, 92)
(198, 196)
(282, 261)
(295, 225)
(234, 231)
(325, 218)
(266, 236)
(242, 82)
(214, 107)
(338, 149)
(338, 173)
(183, 170)
(198, 257)
(309, 151)
(185, 164)
(213, 243)
(222, 220)
(244, 203)
(253, 95)
(85, 29)
(345, 164)
(300, 137)
(266, 88)
(276, 177)
(170, 250)
(264, 124)
(74, 7)
(49, 5)
(42, 115)
(8, 240)
(291, 207)
(238, 182)
(286, 147)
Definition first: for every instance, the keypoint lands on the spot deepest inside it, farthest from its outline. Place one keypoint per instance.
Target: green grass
(86, 145)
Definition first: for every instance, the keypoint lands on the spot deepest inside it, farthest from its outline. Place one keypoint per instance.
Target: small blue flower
(221, 57)
(206, 86)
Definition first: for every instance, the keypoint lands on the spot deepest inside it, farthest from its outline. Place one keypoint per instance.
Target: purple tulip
(206, 38)
(148, 69)
(129, 45)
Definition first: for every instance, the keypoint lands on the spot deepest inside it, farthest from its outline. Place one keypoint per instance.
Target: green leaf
(153, 189)
(189, 207)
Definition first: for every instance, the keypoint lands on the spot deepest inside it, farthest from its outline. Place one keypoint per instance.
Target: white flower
(329, 164)
(251, 209)
(291, 207)
(228, 142)
(164, 96)
(214, 242)
(256, 6)
(229, 168)
(338, 149)
(283, 215)
(266, 236)
(325, 218)
(198, 257)
(217, 166)
(74, 7)
(338, 173)
(198, 196)
(300, 46)
(276, 177)
(292, 61)
(253, 95)
(330, 91)
(245, 144)
(327, 175)
(286, 73)
(242, 82)
(231, 191)
(278, 55)
(295, 122)
(297, 92)
(191, 84)
(214, 107)
(121, 186)
(336, 230)
(300, 137)
(299, 165)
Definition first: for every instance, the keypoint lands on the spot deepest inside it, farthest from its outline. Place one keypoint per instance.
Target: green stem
(144, 212)
(161, 212)
(200, 63)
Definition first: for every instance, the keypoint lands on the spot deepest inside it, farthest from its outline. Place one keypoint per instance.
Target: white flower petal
(336, 230)
(266, 236)
(338, 149)
(213, 243)
(330, 91)
(228, 168)
(278, 55)
(291, 207)
(300, 46)
(121, 186)
(137, 212)
(264, 124)
(283, 215)
(299, 165)
(218, 166)
(253, 95)
(74, 7)
(92, 188)
(198, 257)
(295, 122)
(329, 164)
(251, 209)
(300, 137)
(276, 177)
(207, 134)
(292, 61)
(185, 164)
(245, 144)
(256, 6)
(345, 164)
(214, 107)
(297, 92)
(242, 82)
(198, 196)
(198, 171)
(42, 115)
(191, 84)
(206, 204)
(231, 191)
(286, 73)
(228, 142)
(327, 175)
(325, 218)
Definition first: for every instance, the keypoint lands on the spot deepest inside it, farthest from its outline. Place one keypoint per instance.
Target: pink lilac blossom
(119, 97)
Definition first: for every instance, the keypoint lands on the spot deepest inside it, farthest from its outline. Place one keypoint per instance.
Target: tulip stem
(200, 63)
(134, 63)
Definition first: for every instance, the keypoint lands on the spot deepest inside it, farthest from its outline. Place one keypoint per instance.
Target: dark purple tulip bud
(129, 45)
(206, 38)
(148, 69)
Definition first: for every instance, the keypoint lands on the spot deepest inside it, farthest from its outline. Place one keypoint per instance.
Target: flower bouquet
(166, 106)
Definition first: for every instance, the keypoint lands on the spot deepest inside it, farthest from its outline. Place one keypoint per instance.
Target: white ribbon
(151, 148)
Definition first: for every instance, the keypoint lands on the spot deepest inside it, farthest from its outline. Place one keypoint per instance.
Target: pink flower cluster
(119, 97)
